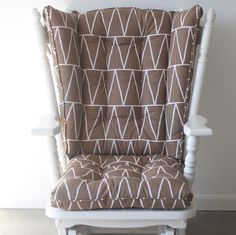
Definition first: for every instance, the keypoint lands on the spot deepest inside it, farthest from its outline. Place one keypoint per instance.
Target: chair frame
(169, 222)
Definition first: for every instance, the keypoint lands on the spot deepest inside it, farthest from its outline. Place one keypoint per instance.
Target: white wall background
(23, 95)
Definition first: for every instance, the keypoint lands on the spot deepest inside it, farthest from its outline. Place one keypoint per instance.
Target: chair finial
(211, 15)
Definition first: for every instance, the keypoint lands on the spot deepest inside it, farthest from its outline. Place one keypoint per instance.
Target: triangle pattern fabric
(123, 82)
(122, 182)
(140, 59)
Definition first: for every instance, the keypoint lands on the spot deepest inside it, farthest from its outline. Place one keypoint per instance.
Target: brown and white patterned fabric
(128, 181)
(123, 79)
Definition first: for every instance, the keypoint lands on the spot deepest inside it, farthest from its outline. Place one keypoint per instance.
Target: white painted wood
(60, 145)
(61, 152)
(146, 230)
(44, 56)
(196, 126)
(47, 126)
(170, 230)
(175, 223)
(167, 230)
(122, 214)
(192, 143)
(73, 231)
(162, 230)
(123, 218)
(42, 38)
(53, 162)
(129, 218)
(202, 62)
(61, 231)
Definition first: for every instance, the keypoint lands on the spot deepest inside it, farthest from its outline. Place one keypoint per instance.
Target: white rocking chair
(168, 222)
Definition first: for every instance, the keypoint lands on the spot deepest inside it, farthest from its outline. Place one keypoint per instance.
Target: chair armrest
(196, 126)
(47, 126)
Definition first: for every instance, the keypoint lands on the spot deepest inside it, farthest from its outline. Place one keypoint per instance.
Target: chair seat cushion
(102, 181)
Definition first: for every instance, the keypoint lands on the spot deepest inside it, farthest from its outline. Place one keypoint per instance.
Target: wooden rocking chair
(124, 128)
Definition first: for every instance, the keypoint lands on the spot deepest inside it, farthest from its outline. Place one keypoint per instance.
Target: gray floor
(34, 222)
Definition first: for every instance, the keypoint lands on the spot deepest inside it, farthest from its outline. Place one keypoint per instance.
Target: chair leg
(162, 230)
(166, 230)
(61, 231)
(72, 231)
(170, 230)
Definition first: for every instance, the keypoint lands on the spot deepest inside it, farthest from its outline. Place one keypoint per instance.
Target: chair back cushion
(123, 78)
